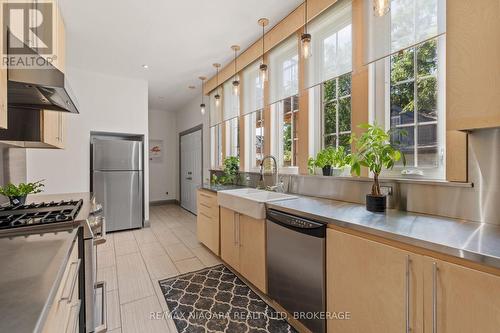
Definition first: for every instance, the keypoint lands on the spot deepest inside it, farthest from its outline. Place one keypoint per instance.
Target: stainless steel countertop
(478, 242)
(31, 271)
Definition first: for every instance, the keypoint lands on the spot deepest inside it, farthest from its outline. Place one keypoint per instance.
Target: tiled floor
(132, 262)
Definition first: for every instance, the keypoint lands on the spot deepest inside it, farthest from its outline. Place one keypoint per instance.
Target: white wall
(162, 126)
(107, 104)
(188, 117)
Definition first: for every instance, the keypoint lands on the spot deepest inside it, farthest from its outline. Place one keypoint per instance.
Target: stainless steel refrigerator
(117, 181)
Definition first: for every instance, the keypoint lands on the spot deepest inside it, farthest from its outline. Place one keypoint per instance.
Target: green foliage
(231, 169)
(374, 151)
(11, 190)
(330, 156)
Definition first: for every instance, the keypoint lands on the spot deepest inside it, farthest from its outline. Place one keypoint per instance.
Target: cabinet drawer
(207, 199)
(212, 212)
(62, 308)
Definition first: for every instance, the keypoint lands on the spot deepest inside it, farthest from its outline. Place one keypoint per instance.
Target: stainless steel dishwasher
(296, 267)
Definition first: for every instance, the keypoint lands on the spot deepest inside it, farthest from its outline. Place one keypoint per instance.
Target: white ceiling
(178, 40)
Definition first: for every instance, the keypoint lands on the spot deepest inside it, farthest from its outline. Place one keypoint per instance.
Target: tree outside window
(336, 108)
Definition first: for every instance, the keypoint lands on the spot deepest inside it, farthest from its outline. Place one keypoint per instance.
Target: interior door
(190, 169)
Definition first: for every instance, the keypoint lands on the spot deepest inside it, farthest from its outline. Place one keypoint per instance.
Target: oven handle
(104, 326)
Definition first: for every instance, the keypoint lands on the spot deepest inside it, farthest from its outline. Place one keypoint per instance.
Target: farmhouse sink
(250, 201)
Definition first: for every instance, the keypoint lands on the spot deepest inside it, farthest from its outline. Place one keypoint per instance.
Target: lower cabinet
(386, 289)
(243, 246)
(459, 299)
(63, 315)
(207, 222)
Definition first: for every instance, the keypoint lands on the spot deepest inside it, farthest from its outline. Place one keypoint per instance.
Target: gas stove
(39, 217)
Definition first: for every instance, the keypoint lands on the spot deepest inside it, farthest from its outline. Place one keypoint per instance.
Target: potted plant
(324, 160)
(339, 159)
(17, 193)
(231, 170)
(374, 151)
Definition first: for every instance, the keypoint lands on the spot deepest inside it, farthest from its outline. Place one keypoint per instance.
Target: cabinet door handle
(69, 296)
(407, 294)
(434, 297)
(208, 217)
(235, 228)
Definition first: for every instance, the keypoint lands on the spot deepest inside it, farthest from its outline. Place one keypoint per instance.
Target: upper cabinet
(473, 64)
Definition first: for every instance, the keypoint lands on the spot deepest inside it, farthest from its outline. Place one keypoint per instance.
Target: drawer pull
(208, 217)
(104, 325)
(68, 296)
(206, 195)
(206, 206)
(71, 325)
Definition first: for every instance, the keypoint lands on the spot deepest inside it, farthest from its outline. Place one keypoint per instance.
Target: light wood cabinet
(243, 246)
(63, 314)
(34, 129)
(460, 299)
(379, 286)
(229, 237)
(387, 289)
(253, 250)
(207, 222)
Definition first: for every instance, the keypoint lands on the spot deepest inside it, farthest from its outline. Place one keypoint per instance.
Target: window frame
(277, 134)
(418, 172)
(336, 100)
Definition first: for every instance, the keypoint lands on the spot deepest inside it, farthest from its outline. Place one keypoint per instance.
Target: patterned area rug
(216, 300)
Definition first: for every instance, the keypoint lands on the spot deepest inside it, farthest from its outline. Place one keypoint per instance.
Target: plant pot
(337, 171)
(18, 201)
(376, 203)
(327, 170)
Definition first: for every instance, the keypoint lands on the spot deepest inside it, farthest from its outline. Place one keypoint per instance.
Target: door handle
(434, 297)
(407, 294)
(189, 178)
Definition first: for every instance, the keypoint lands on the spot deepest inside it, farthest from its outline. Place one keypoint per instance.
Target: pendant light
(263, 67)
(236, 83)
(381, 7)
(217, 96)
(202, 105)
(306, 37)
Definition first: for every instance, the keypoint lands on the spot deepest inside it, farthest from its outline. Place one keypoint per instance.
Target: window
(284, 115)
(414, 108)
(253, 94)
(232, 132)
(231, 102)
(254, 140)
(216, 146)
(408, 97)
(284, 70)
(336, 112)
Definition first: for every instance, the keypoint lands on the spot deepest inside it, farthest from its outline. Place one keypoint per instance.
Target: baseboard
(164, 202)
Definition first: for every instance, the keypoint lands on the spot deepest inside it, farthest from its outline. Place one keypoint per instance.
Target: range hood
(39, 88)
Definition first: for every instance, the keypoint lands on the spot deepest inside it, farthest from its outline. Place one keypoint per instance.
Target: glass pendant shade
(263, 72)
(381, 7)
(202, 108)
(306, 45)
(236, 87)
(217, 100)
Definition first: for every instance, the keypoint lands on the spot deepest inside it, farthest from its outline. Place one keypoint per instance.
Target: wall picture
(156, 151)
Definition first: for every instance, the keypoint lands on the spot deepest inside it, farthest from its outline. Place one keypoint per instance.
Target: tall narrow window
(414, 111)
(232, 143)
(336, 112)
(259, 137)
(329, 78)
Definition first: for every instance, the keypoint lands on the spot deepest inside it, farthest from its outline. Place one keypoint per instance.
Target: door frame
(181, 134)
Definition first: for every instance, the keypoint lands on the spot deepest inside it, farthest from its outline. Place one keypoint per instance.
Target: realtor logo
(29, 26)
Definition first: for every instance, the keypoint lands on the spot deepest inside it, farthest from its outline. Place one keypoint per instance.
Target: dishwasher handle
(296, 223)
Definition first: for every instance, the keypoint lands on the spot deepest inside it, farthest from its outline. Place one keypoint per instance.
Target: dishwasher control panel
(292, 220)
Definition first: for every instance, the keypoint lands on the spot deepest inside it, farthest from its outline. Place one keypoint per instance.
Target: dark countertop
(217, 188)
(31, 270)
(478, 242)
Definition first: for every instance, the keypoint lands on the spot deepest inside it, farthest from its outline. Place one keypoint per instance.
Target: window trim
(429, 173)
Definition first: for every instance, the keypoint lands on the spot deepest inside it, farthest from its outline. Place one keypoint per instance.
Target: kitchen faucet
(277, 186)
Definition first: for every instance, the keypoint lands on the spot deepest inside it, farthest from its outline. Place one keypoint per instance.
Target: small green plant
(21, 190)
(231, 168)
(374, 151)
(334, 157)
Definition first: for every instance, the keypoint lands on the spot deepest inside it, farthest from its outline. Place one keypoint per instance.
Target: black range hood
(39, 88)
